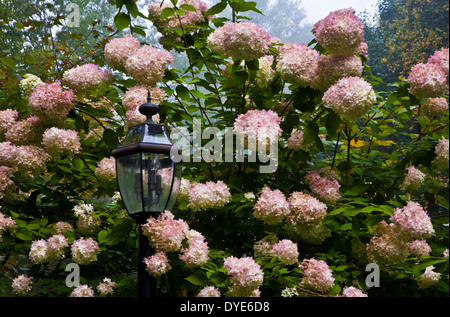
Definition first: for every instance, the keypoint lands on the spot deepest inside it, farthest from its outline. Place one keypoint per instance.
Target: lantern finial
(149, 109)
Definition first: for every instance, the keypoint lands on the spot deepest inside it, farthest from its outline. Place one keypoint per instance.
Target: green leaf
(8, 62)
(311, 133)
(167, 12)
(183, 92)
(332, 122)
(239, 78)
(215, 9)
(122, 20)
(110, 137)
(78, 164)
(198, 278)
(188, 7)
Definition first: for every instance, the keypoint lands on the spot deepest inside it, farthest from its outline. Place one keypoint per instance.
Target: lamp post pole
(146, 282)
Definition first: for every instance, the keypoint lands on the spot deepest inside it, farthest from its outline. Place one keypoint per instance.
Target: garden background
(361, 130)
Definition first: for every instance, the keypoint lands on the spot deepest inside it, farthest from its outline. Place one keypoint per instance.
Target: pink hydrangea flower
(258, 127)
(5, 223)
(419, 248)
(341, 32)
(26, 132)
(106, 287)
(29, 160)
(331, 68)
(243, 40)
(295, 141)
(442, 153)
(209, 291)
(351, 97)
(118, 50)
(52, 249)
(165, 233)
(265, 245)
(22, 284)
(387, 246)
(147, 64)
(287, 250)
(50, 102)
(316, 275)
(106, 170)
(352, 291)
(271, 206)
(297, 64)
(8, 118)
(414, 222)
(137, 95)
(196, 254)
(245, 274)
(434, 106)
(7, 186)
(305, 209)
(157, 264)
(87, 77)
(208, 195)
(82, 291)
(324, 185)
(441, 58)
(84, 251)
(428, 278)
(58, 141)
(427, 81)
(413, 179)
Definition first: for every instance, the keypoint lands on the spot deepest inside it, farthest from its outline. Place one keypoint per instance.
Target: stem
(348, 154)
(335, 150)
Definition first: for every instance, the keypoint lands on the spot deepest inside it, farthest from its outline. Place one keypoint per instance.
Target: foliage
(369, 157)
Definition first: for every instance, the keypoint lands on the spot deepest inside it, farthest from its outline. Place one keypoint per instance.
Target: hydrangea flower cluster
(58, 142)
(208, 195)
(331, 68)
(8, 119)
(351, 291)
(413, 179)
(106, 287)
(22, 284)
(413, 221)
(430, 80)
(351, 97)
(29, 160)
(62, 226)
(305, 209)
(28, 83)
(87, 222)
(187, 21)
(419, 248)
(84, 251)
(82, 291)
(434, 106)
(265, 73)
(7, 186)
(147, 64)
(106, 170)
(209, 291)
(265, 245)
(295, 141)
(196, 254)
(428, 278)
(118, 50)
(271, 206)
(258, 127)
(26, 132)
(243, 40)
(287, 250)
(297, 64)
(5, 223)
(316, 275)
(52, 249)
(324, 185)
(340, 32)
(245, 274)
(157, 264)
(50, 102)
(87, 77)
(442, 153)
(165, 233)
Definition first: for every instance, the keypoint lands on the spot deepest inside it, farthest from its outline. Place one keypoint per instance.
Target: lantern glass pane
(155, 133)
(175, 187)
(130, 182)
(134, 135)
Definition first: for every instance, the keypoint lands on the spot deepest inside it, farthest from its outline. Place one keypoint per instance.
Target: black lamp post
(148, 179)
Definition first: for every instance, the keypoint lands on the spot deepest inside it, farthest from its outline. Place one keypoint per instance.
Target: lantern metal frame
(147, 183)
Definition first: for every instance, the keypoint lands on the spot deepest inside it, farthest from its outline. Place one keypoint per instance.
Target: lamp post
(148, 179)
